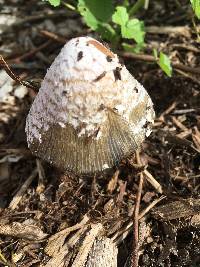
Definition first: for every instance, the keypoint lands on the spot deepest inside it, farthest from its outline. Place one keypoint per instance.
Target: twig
(41, 177)
(31, 53)
(13, 76)
(153, 181)
(53, 36)
(151, 205)
(29, 19)
(113, 182)
(179, 124)
(134, 255)
(178, 30)
(184, 134)
(150, 58)
(186, 47)
(166, 112)
(184, 111)
(123, 233)
(188, 76)
(16, 199)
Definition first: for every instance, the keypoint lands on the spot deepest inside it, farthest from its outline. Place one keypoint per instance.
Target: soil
(32, 33)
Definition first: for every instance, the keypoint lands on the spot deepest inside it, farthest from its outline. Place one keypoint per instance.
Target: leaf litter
(42, 210)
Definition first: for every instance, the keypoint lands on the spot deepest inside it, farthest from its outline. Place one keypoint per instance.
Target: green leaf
(196, 7)
(95, 12)
(120, 16)
(54, 3)
(165, 64)
(134, 29)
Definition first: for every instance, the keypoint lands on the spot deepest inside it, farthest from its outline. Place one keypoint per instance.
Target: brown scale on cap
(100, 76)
(80, 55)
(101, 48)
(117, 73)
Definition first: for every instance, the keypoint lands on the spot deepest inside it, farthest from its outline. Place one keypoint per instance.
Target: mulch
(37, 201)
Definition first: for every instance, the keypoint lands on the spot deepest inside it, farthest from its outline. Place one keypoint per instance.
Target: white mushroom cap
(86, 94)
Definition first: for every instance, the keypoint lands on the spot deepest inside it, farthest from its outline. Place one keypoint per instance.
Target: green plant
(117, 24)
(196, 7)
(163, 61)
(54, 3)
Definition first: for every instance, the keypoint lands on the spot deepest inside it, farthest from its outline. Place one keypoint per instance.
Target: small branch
(61, 39)
(153, 181)
(31, 53)
(119, 237)
(135, 256)
(178, 30)
(53, 36)
(150, 58)
(188, 76)
(151, 205)
(41, 177)
(16, 78)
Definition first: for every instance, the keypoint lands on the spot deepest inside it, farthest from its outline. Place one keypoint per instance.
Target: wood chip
(177, 209)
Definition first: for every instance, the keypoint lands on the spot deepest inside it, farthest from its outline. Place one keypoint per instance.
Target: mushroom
(90, 112)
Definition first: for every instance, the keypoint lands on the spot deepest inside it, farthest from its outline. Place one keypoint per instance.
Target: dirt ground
(37, 201)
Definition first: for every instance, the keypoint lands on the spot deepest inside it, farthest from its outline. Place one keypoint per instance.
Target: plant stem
(138, 5)
(71, 7)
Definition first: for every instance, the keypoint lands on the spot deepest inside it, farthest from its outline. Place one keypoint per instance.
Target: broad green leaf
(165, 64)
(120, 16)
(95, 11)
(89, 18)
(196, 7)
(134, 29)
(54, 3)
